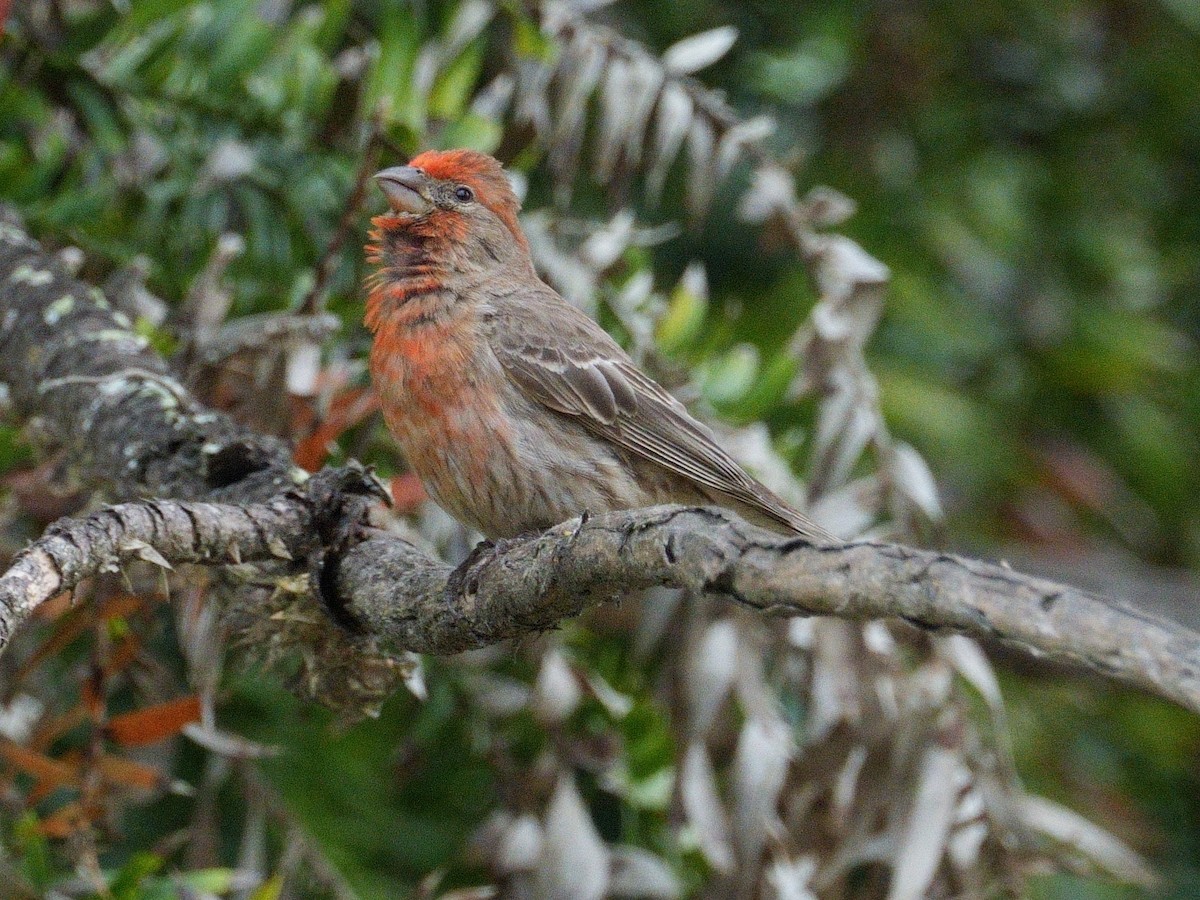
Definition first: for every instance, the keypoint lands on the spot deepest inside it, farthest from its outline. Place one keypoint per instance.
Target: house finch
(515, 409)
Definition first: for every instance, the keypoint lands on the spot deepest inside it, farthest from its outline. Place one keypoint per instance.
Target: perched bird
(515, 409)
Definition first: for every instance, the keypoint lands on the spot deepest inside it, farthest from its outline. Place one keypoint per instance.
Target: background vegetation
(1027, 171)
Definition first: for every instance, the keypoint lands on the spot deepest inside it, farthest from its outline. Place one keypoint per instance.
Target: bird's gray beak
(406, 189)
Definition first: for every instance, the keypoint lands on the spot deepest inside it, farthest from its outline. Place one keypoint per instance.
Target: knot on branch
(341, 501)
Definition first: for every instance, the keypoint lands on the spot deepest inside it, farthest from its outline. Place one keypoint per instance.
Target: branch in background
(314, 301)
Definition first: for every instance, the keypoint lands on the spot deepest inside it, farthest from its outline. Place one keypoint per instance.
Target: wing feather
(580, 371)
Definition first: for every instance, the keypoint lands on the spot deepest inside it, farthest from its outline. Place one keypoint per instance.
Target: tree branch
(387, 588)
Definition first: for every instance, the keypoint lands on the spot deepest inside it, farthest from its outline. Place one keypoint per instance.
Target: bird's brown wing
(580, 371)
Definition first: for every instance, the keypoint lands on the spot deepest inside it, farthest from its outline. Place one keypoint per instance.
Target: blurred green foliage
(1027, 169)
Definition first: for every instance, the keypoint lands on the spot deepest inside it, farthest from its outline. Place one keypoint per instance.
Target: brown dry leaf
(154, 723)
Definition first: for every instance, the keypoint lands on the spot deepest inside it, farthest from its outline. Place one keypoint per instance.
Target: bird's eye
(464, 195)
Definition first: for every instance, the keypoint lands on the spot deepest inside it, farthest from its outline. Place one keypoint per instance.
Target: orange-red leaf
(347, 410)
(71, 626)
(56, 605)
(64, 821)
(154, 723)
(126, 773)
(122, 655)
(45, 769)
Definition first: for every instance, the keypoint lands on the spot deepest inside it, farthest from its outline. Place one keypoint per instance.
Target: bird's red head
(450, 194)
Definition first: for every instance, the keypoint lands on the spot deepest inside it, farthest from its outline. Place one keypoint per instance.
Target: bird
(516, 410)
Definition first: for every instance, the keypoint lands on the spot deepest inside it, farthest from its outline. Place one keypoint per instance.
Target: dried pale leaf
(471, 17)
(851, 283)
(648, 82)
(849, 510)
(790, 879)
(564, 271)
(144, 551)
(303, 369)
(520, 846)
(699, 50)
(671, 124)
(710, 668)
(228, 161)
(614, 702)
(694, 280)
(800, 632)
(430, 60)
(1094, 844)
(702, 805)
(519, 183)
(771, 188)
(847, 782)
(965, 844)
(659, 606)
(735, 140)
(532, 106)
(835, 685)
(636, 295)
(878, 639)
(229, 745)
(277, 547)
(580, 68)
(573, 864)
(482, 892)
(911, 475)
(846, 267)
(825, 207)
(18, 716)
(619, 83)
(930, 685)
(604, 247)
(919, 850)
(968, 660)
(414, 674)
(637, 873)
(760, 765)
(494, 99)
(498, 695)
(846, 423)
(556, 693)
(701, 183)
